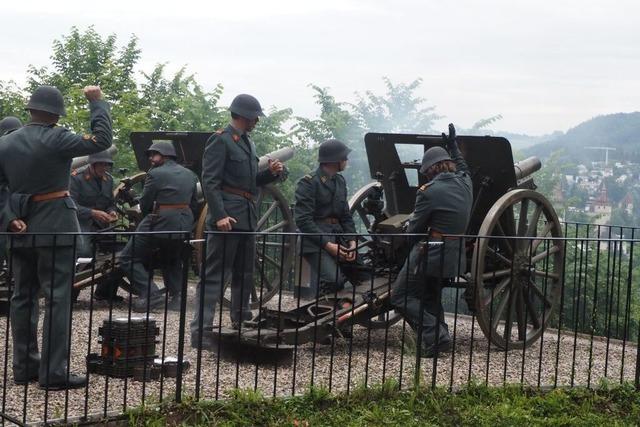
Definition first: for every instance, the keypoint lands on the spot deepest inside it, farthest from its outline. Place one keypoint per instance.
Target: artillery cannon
(507, 279)
(512, 277)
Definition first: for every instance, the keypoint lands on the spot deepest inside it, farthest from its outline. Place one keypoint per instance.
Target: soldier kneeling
(168, 203)
(443, 206)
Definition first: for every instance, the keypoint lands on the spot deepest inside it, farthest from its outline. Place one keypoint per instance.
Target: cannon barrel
(527, 167)
(79, 162)
(282, 154)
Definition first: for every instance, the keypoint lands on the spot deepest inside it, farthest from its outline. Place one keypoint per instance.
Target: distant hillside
(620, 131)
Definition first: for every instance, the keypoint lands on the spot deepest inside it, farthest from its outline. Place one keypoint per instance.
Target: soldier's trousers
(418, 298)
(137, 259)
(326, 274)
(3, 248)
(47, 271)
(85, 247)
(230, 258)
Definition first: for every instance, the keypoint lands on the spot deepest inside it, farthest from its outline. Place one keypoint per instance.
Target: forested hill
(620, 131)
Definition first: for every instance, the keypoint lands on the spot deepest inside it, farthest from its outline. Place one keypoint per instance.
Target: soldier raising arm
(443, 207)
(35, 163)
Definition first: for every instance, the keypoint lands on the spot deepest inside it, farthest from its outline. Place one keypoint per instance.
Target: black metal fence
(541, 312)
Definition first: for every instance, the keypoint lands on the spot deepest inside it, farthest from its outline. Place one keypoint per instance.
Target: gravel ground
(368, 357)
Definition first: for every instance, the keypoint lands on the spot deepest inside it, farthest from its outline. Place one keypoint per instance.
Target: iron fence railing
(541, 312)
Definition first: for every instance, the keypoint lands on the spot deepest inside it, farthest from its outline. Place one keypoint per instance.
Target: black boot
(175, 303)
(74, 381)
(142, 304)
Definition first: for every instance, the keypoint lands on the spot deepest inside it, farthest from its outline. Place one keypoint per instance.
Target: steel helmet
(101, 157)
(332, 151)
(432, 156)
(246, 106)
(48, 99)
(9, 124)
(165, 148)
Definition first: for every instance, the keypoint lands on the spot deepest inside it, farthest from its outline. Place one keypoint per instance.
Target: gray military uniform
(90, 192)
(4, 195)
(321, 207)
(443, 206)
(36, 159)
(168, 203)
(231, 181)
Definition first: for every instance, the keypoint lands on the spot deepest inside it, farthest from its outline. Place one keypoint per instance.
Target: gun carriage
(514, 267)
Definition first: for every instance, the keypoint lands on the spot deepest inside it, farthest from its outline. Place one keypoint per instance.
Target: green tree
(398, 110)
(336, 120)
(85, 58)
(12, 101)
(180, 102)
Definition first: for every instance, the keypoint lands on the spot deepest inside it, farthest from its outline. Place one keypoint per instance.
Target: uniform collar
(444, 176)
(88, 175)
(324, 176)
(50, 125)
(235, 133)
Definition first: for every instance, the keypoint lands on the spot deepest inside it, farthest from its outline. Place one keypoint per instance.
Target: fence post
(637, 379)
(186, 262)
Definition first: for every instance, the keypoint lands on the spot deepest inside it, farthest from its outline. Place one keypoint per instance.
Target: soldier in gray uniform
(321, 207)
(35, 163)
(443, 207)
(231, 181)
(7, 125)
(91, 187)
(168, 203)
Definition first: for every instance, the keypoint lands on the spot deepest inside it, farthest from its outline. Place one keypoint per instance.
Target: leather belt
(174, 206)
(328, 220)
(44, 197)
(433, 234)
(238, 192)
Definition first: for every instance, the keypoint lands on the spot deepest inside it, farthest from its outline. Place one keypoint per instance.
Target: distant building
(601, 204)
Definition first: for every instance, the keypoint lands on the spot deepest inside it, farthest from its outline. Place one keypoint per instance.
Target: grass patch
(385, 405)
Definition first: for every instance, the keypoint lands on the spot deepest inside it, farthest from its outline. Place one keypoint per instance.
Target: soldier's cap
(9, 124)
(101, 157)
(432, 156)
(48, 99)
(164, 147)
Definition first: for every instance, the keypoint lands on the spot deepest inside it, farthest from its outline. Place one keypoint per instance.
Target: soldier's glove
(450, 140)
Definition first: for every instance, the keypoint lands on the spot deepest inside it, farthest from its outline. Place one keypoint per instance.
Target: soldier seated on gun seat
(91, 187)
(321, 207)
(443, 206)
(168, 203)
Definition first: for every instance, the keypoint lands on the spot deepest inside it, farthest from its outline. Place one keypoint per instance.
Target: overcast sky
(544, 66)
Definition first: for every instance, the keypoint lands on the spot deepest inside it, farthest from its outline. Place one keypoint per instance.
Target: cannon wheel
(363, 221)
(517, 280)
(274, 253)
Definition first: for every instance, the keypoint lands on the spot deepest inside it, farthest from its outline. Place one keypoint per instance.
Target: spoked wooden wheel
(364, 216)
(274, 252)
(517, 280)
